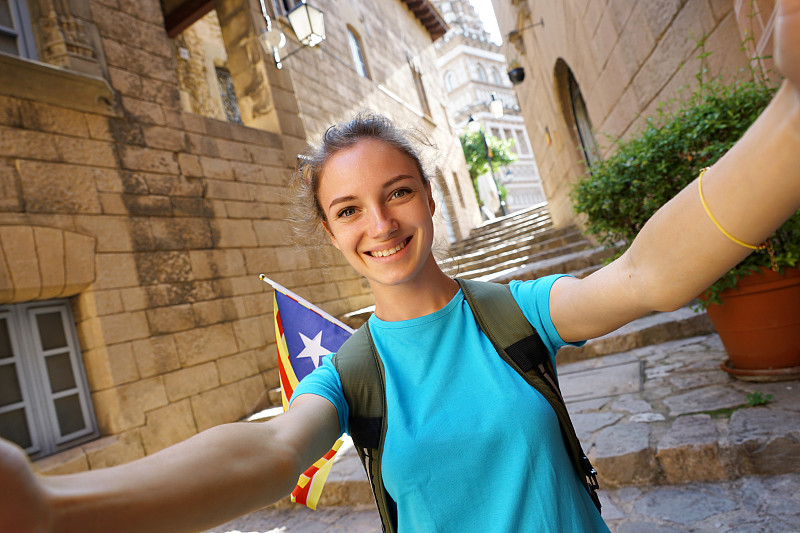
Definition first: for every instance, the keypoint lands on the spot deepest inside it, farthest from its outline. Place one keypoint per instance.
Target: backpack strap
(364, 387)
(517, 342)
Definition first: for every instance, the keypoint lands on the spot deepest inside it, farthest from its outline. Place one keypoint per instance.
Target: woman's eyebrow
(389, 183)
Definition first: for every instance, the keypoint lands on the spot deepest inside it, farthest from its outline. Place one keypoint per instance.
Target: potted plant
(516, 74)
(622, 193)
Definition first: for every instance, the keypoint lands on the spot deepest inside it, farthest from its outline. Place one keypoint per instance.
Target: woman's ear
(330, 234)
(431, 203)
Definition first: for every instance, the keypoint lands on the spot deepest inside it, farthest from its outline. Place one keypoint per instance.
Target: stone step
(517, 231)
(488, 271)
(550, 238)
(517, 253)
(579, 263)
(490, 226)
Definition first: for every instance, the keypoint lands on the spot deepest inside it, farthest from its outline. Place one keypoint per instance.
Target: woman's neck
(430, 290)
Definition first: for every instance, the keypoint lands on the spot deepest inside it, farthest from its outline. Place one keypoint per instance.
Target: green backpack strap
(363, 383)
(517, 342)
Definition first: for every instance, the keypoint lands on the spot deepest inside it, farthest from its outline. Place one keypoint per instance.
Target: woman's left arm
(751, 191)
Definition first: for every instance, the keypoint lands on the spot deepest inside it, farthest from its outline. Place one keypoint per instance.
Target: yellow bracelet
(766, 245)
(714, 220)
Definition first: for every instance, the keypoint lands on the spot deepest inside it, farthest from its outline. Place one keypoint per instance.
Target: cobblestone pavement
(754, 504)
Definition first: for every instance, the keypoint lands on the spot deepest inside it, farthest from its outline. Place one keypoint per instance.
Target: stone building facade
(596, 69)
(133, 225)
(473, 69)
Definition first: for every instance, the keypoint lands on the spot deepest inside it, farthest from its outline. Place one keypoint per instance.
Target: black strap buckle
(590, 473)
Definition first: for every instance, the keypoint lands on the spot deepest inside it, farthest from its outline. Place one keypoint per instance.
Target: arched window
(575, 113)
(358, 53)
(449, 81)
(481, 73)
(496, 79)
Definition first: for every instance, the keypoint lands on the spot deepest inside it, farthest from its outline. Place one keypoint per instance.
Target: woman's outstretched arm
(751, 191)
(217, 475)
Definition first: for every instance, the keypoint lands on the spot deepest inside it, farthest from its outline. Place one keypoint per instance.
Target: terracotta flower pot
(759, 324)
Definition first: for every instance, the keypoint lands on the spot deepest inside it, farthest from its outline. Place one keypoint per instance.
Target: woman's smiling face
(378, 211)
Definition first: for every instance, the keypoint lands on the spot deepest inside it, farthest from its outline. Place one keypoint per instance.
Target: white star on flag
(313, 348)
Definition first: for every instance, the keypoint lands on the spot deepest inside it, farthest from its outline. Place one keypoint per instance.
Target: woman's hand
(23, 506)
(787, 41)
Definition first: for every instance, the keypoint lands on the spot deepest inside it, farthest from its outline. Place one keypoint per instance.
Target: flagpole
(287, 292)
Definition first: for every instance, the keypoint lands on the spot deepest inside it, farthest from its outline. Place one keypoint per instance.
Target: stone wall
(627, 57)
(154, 223)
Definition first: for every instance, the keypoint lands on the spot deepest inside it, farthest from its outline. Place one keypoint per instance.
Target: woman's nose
(382, 223)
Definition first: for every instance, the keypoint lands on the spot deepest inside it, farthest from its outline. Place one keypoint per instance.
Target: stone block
(150, 65)
(216, 168)
(67, 462)
(164, 138)
(214, 312)
(124, 327)
(764, 451)
(53, 119)
(249, 334)
(163, 267)
(218, 406)
(181, 234)
(622, 456)
(113, 233)
(251, 390)
(259, 260)
(148, 159)
(110, 366)
(133, 298)
(10, 187)
(705, 399)
(98, 128)
(10, 111)
(124, 408)
(233, 233)
(156, 355)
(125, 82)
(89, 333)
(19, 246)
(58, 188)
(80, 262)
(228, 190)
(50, 254)
(168, 425)
(143, 111)
(272, 233)
(237, 367)
(190, 165)
(200, 345)
(114, 450)
(170, 319)
(190, 381)
(148, 205)
(106, 302)
(690, 451)
(116, 270)
(268, 156)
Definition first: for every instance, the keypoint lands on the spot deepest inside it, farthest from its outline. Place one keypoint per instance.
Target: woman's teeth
(390, 251)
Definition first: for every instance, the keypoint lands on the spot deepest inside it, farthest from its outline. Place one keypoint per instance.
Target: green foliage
(475, 152)
(621, 193)
(756, 398)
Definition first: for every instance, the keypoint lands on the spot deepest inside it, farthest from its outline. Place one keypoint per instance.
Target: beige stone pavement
(675, 442)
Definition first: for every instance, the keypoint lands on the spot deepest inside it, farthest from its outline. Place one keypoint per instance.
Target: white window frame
(30, 360)
(21, 30)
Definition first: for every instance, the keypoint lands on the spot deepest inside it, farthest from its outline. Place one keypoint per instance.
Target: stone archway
(575, 113)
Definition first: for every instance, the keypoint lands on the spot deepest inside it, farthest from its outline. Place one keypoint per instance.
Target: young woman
(375, 203)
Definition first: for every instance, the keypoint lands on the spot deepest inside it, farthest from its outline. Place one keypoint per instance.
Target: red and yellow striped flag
(305, 334)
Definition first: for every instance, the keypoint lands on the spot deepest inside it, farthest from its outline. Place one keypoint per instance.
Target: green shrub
(620, 194)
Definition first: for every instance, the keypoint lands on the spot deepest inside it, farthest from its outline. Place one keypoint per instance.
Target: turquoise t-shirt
(470, 446)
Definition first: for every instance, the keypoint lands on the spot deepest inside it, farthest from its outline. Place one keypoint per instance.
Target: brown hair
(311, 164)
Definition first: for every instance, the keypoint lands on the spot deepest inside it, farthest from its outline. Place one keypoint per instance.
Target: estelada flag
(304, 334)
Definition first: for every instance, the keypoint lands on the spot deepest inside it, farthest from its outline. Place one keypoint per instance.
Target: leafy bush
(621, 193)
